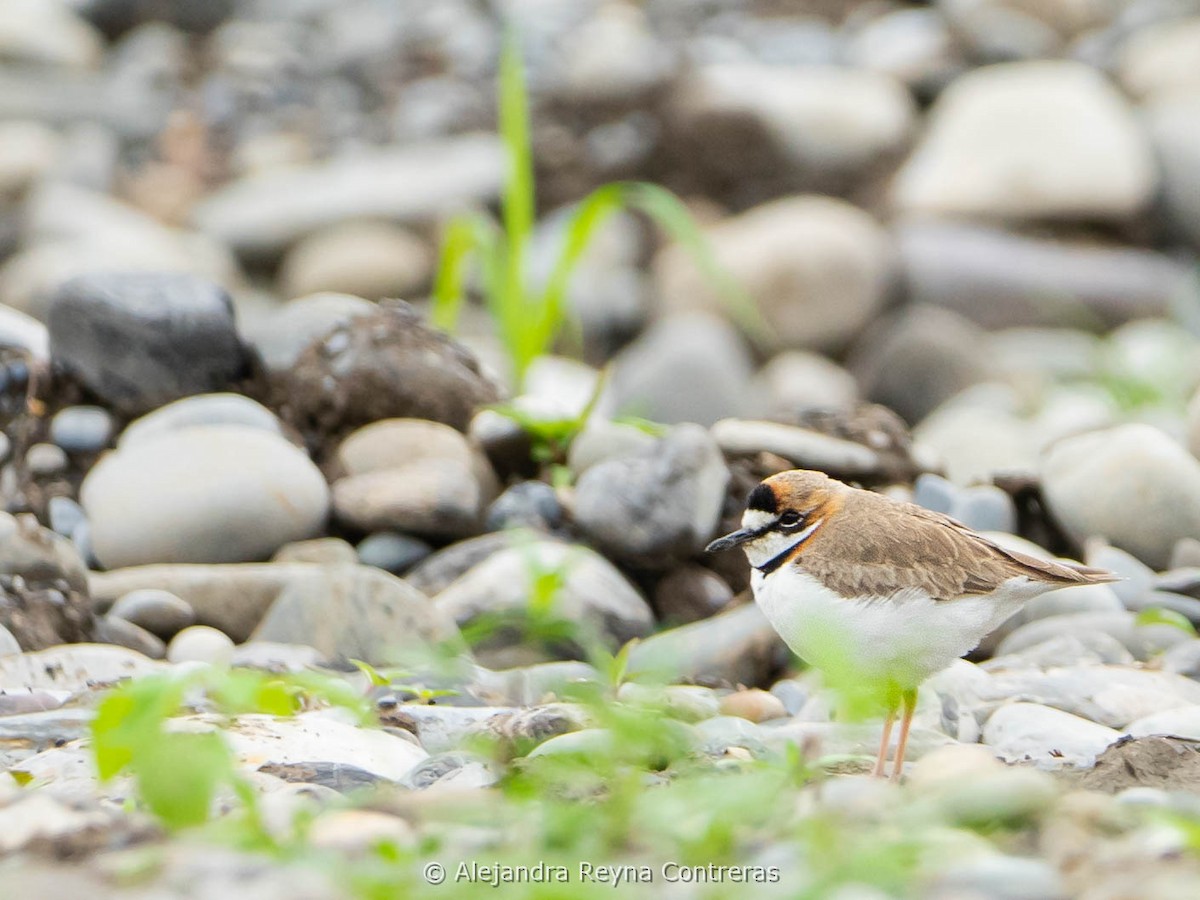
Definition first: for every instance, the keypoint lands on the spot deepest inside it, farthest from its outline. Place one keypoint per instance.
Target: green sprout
(528, 322)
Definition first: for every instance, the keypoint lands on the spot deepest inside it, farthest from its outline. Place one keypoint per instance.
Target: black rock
(140, 340)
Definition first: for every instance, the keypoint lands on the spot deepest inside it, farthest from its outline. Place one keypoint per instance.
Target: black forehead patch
(763, 499)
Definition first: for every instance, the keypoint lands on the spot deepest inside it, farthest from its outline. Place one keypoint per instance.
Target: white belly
(901, 639)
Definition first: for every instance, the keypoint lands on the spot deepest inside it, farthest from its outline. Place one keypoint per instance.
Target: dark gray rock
(655, 508)
(392, 552)
(123, 633)
(157, 611)
(139, 340)
(529, 504)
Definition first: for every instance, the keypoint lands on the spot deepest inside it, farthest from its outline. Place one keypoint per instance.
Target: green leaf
(178, 775)
(1160, 615)
(519, 188)
(672, 215)
(371, 672)
(21, 777)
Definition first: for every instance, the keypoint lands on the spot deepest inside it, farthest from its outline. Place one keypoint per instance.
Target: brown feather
(871, 545)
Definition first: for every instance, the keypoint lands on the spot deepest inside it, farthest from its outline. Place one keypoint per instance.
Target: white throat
(774, 544)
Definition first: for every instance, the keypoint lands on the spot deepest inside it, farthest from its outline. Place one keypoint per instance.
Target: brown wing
(907, 546)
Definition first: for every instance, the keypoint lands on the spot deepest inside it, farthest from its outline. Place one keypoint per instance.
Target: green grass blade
(458, 244)
(670, 213)
(518, 205)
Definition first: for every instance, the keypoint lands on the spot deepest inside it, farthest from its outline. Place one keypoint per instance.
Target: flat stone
(73, 667)
(327, 551)
(394, 443)
(262, 213)
(1183, 722)
(213, 493)
(806, 448)
(1048, 737)
(1002, 279)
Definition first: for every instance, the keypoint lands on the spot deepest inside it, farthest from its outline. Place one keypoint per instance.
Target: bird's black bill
(735, 539)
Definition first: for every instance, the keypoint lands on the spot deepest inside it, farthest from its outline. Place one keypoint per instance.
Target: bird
(882, 592)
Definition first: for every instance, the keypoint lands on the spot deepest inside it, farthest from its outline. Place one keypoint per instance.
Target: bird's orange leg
(909, 702)
(881, 759)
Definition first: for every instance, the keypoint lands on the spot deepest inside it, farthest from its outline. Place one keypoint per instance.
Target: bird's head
(783, 512)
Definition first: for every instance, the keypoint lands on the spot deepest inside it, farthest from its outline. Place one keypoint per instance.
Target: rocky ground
(970, 229)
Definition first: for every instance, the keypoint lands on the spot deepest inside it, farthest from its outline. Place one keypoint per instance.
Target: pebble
(690, 593)
(806, 448)
(157, 611)
(738, 647)
(139, 340)
(315, 737)
(356, 612)
(201, 409)
(754, 704)
(82, 429)
(282, 336)
(952, 766)
(718, 735)
(819, 125)
(601, 440)
(46, 460)
(1172, 123)
(1136, 576)
(326, 551)
(817, 268)
(1183, 722)
(1151, 495)
(655, 508)
(527, 504)
(1017, 141)
(797, 381)
(8, 643)
(385, 365)
(391, 551)
(685, 702)
(916, 359)
(686, 367)
(430, 497)
(112, 630)
(65, 515)
(1048, 737)
(590, 590)
(200, 643)
(1158, 60)
(394, 443)
(998, 876)
(73, 667)
(262, 213)
(210, 493)
(361, 258)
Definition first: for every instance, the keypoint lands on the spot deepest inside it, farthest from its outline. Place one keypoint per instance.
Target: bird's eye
(789, 518)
